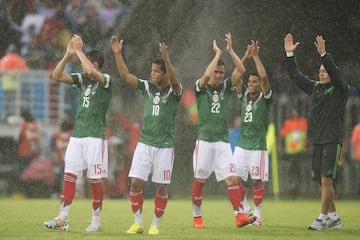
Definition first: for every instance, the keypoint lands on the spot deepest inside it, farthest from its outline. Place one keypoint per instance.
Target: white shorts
(149, 159)
(211, 157)
(253, 162)
(87, 153)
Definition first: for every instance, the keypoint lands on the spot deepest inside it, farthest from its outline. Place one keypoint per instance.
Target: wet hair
(221, 63)
(254, 74)
(96, 56)
(161, 63)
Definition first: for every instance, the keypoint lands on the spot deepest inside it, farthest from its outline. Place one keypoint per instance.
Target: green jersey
(254, 120)
(160, 107)
(94, 103)
(213, 111)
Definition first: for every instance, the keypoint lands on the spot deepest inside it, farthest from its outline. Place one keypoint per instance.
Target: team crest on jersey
(87, 91)
(156, 99)
(249, 106)
(215, 97)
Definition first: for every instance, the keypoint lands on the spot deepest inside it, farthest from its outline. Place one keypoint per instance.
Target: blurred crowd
(40, 29)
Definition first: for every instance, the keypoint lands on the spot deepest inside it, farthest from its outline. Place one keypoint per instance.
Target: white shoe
(257, 222)
(58, 224)
(93, 228)
(333, 224)
(318, 224)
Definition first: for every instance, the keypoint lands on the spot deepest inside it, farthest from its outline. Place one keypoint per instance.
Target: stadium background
(188, 28)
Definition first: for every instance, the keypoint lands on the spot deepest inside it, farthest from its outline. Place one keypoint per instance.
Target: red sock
(258, 193)
(197, 191)
(160, 204)
(242, 190)
(97, 193)
(136, 199)
(234, 196)
(68, 192)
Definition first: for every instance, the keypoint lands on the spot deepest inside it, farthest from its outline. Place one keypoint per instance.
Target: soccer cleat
(242, 219)
(198, 222)
(257, 222)
(93, 228)
(57, 224)
(318, 224)
(249, 213)
(135, 228)
(333, 224)
(154, 230)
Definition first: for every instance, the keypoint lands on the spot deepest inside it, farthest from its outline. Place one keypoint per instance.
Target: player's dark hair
(221, 63)
(96, 56)
(254, 74)
(161, 63)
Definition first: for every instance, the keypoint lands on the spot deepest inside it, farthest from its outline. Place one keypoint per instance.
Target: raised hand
(216, 48)
(253, 49)
(289, 44)
(70, 48)
(320, 45)
(229, 42)
(77, 42)
(116, 45)
(163, 51)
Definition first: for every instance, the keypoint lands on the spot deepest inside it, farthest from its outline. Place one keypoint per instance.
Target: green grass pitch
(282, 219)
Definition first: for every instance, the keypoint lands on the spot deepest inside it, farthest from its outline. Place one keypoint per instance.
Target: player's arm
(265, 85)
(240, 84)
(211, 67)
(88, 66)
(124, 73)
(58, 73)
(170, 70)
(239, 66)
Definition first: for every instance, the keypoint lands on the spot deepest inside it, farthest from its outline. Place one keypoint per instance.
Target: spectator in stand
(355, 142)
(35, 55)
(294, 130)
(12, 60)
(109, 13)
(89, 26)
(73, 11)
(234, 132)
(28, 139)
(60, 141)
(355, 156)
(134, 129)
(46, 8)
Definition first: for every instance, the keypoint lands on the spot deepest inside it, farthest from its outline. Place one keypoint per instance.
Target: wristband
(289, 54)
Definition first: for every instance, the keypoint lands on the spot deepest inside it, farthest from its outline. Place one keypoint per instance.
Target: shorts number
(167, 175)
(232, 168)
(255, 171)
(97, 168)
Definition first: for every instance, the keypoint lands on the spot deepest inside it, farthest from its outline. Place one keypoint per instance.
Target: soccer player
(155, 149)
(212, 151)
(250, 153)
(87, 148)
(328, 96)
